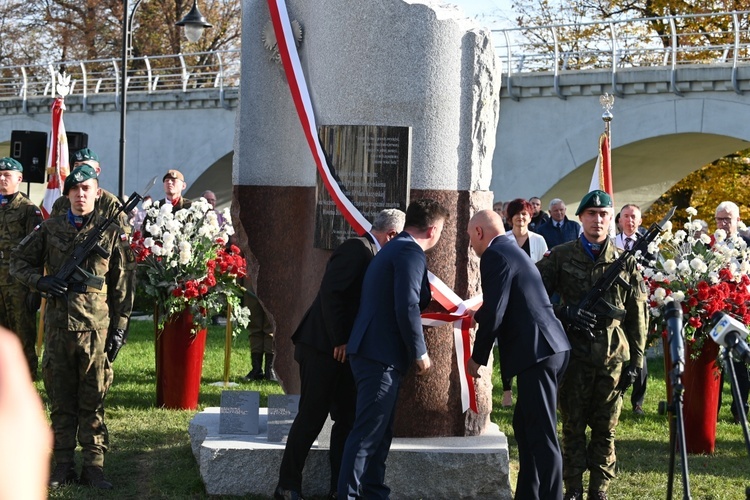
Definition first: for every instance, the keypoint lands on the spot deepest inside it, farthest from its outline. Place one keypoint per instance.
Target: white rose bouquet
(185, 264)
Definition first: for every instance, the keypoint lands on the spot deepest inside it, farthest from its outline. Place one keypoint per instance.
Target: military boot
(269, 374)
(93, 476)
(63, 473)
(256, 373)
(574, 494)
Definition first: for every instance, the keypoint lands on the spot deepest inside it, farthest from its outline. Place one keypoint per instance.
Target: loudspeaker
(76, 141)
(30, 148)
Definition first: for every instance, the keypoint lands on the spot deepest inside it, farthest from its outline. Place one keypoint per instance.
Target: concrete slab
(474, 467)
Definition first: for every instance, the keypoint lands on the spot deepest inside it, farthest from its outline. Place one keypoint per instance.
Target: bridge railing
(181, 72)
(671, 41)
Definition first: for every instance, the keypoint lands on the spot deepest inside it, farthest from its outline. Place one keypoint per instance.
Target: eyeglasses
(724, 220)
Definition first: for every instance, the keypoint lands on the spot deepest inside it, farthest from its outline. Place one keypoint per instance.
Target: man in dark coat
(320, 349)
(533, 348)
(558, 229)
(386, 339)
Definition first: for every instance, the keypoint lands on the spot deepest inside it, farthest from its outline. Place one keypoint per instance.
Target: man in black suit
(533, 348)
(727, 217)
(320, 349)
(386, 339)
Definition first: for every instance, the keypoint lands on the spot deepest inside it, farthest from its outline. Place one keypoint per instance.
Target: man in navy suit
(320, 349)
(533, 348)
(386, 339)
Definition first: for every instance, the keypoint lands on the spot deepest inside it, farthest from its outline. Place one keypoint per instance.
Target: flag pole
(607, 102)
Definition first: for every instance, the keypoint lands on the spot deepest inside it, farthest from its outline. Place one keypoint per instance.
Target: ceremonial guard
(84, 323)
(607, 342)
(18, 216)
(107, 203)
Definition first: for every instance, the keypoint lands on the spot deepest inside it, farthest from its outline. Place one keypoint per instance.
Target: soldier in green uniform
(106, 204)
(84, 324)
(18, 217)
(607, 345)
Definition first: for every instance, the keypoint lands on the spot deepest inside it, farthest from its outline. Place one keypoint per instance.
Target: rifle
(594, 300)
(71, 272)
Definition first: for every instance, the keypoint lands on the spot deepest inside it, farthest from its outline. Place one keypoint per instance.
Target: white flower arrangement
(185, 263)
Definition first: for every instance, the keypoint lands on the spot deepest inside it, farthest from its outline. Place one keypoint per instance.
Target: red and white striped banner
(58, 163)
(301, 96)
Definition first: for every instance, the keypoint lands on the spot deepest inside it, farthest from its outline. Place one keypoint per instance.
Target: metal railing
(181, 72)
(671, 41)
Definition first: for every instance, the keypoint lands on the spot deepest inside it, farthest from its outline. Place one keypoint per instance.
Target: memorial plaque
(239, 412)
(371, 166)
(281, 412)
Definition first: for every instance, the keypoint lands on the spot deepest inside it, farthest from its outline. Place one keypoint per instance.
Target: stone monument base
(475, 467)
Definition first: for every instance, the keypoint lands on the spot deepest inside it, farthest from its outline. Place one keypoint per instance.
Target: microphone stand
(677, 429)
(727, 359)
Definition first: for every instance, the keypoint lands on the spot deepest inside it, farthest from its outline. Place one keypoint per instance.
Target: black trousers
(327, 386)
(535, 425)
(743, 382)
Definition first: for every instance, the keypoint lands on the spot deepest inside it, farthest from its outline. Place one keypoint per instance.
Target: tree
(583, 29)
(726, 179)
(72, 30)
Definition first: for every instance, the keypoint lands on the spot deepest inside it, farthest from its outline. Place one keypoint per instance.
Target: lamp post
(194, 24)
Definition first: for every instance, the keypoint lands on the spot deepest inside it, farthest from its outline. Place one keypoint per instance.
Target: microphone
(730, 333)
(673, 315)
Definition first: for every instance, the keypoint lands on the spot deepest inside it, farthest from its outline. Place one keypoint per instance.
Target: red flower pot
(179, 363)
(701, 397)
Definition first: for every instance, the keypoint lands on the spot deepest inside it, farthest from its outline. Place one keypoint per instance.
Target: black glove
(33, 301)
(52, 285)
(579, 318)
(115, 341)
(627, 378)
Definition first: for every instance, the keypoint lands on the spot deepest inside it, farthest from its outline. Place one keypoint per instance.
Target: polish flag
(58, 162)
(602, 177)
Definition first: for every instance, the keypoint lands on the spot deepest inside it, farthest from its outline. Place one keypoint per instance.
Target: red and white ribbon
(440, 291)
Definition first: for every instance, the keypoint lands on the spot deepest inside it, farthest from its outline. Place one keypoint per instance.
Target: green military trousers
(588, 398)
(77, 375)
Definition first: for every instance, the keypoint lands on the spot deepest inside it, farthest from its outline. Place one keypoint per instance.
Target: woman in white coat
(519, 214)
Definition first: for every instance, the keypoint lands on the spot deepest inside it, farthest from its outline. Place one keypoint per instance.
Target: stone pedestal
(435, 468)
(373, 62)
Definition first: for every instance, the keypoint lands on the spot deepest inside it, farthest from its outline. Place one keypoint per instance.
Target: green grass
(150, 454)
(642, 446)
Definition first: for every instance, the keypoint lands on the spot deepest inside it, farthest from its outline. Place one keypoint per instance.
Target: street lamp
(194, 24)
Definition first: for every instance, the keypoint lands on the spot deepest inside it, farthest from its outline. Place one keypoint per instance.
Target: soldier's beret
(85, 154)
(10, 164)
(173, 174)
(81, 173)
(594, 199)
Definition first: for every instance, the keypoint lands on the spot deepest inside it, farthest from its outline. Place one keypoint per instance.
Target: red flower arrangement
(705, 274)
(184, 263)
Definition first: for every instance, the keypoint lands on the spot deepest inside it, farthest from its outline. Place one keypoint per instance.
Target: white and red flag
(58, 161)
(602, 178)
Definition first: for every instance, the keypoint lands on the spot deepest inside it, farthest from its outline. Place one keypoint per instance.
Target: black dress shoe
(282, 494)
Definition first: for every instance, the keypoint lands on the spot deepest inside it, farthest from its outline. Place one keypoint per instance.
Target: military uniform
(18, 217)
(75, 367)
(589, 395)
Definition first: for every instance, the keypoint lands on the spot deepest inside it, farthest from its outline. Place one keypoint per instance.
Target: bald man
(533, 348)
